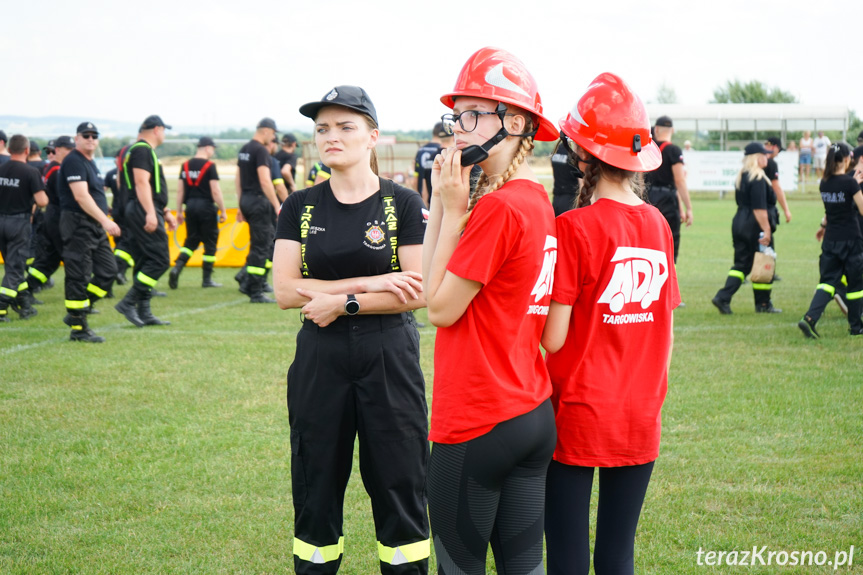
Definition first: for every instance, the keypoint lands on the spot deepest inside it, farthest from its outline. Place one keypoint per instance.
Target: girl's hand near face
(453, 181)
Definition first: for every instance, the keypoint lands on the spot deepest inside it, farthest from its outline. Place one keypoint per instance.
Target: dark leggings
(567, 512)
(491, 489)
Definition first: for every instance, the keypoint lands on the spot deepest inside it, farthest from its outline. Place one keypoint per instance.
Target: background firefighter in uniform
(609, 385)
(259, 205)
(751, 219)
(425, 159)
(666, 185)
(488, 276)
(20, 187)
(83, 223)
(842, 243)
(146, 214)
(198, 188)
(49, 246)
(348, 252)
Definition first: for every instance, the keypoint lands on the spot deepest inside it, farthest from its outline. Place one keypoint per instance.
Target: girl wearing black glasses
(488, 263)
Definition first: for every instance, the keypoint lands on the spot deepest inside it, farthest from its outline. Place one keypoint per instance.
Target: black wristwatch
(352, 306)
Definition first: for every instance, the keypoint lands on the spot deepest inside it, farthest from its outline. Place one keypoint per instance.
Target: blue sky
(223, 63)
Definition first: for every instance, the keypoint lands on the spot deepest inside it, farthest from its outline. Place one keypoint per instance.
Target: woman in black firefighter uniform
(198, 188)
(750, 229)
(348, 253)
(842, 246)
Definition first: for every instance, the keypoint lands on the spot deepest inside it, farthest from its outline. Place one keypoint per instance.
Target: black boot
(763, 304)
(80, 330)
(208, 276)
(722, 299)
(174, 275)
(146, 315)
(256, 290)
(128, 306)
(122, 266)
(242, 278)
(4, 308)
(23, 305)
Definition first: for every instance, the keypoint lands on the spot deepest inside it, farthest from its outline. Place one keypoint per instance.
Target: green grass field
(166, 450)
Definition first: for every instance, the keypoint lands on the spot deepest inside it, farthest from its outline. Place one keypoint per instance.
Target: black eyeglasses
(469, 118)
(89, 135)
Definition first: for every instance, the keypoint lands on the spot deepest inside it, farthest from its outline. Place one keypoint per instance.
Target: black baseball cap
(289, 138)
(268, 123)
(858, 152)
(64, 142)
(774, 141)
(3, 136)
(49, 146)
(664, 121)
(153, 121)
(34, 147)
(860, 136)
(206, 141)
(87, 128)
(439, 131)
(351, 97)
(754, 148)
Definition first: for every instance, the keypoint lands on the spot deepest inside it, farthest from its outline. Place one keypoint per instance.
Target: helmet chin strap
(476, 154)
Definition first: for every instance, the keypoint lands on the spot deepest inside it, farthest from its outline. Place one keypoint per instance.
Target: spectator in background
(687, 145)
(35, 157)
(287, 158)
(4, 153)
(819, 153)
(805, 154)
(792, 146)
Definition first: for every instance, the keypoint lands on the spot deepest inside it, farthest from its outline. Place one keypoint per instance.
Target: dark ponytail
(836, 154)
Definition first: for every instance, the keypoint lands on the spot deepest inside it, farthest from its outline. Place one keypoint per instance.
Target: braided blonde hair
(598, 169)
(483, 186)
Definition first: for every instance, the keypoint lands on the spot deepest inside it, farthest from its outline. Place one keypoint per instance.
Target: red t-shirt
(488, 364)
(615, 268)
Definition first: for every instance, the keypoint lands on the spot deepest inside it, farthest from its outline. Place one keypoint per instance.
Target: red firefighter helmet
(495, 74)
(610, 122)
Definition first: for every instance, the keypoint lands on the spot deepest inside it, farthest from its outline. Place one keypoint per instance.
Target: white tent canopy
(725, 118)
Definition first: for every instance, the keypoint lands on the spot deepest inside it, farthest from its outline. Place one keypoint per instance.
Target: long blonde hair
(485, 186)
(752, 169)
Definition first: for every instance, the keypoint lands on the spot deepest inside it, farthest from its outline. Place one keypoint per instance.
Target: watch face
(352, 307)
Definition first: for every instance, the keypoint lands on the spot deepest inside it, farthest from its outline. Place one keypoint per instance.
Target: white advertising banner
(717, 171)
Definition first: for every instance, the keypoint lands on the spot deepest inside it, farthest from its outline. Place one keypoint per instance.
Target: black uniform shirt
(38, 164)
(143, 157)
(18, 183)
(837, 193)
(201, 191)
(752, 195)
(316, 168)
(49, 176)
(565, 180)
(77, 168)
(664, 175)
(772, 171)
(423, 165)
(252, 156)
(288, 158)
(351, 240)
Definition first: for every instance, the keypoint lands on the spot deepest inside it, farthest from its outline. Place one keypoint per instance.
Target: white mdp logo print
(546, 275)
(638, 277)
